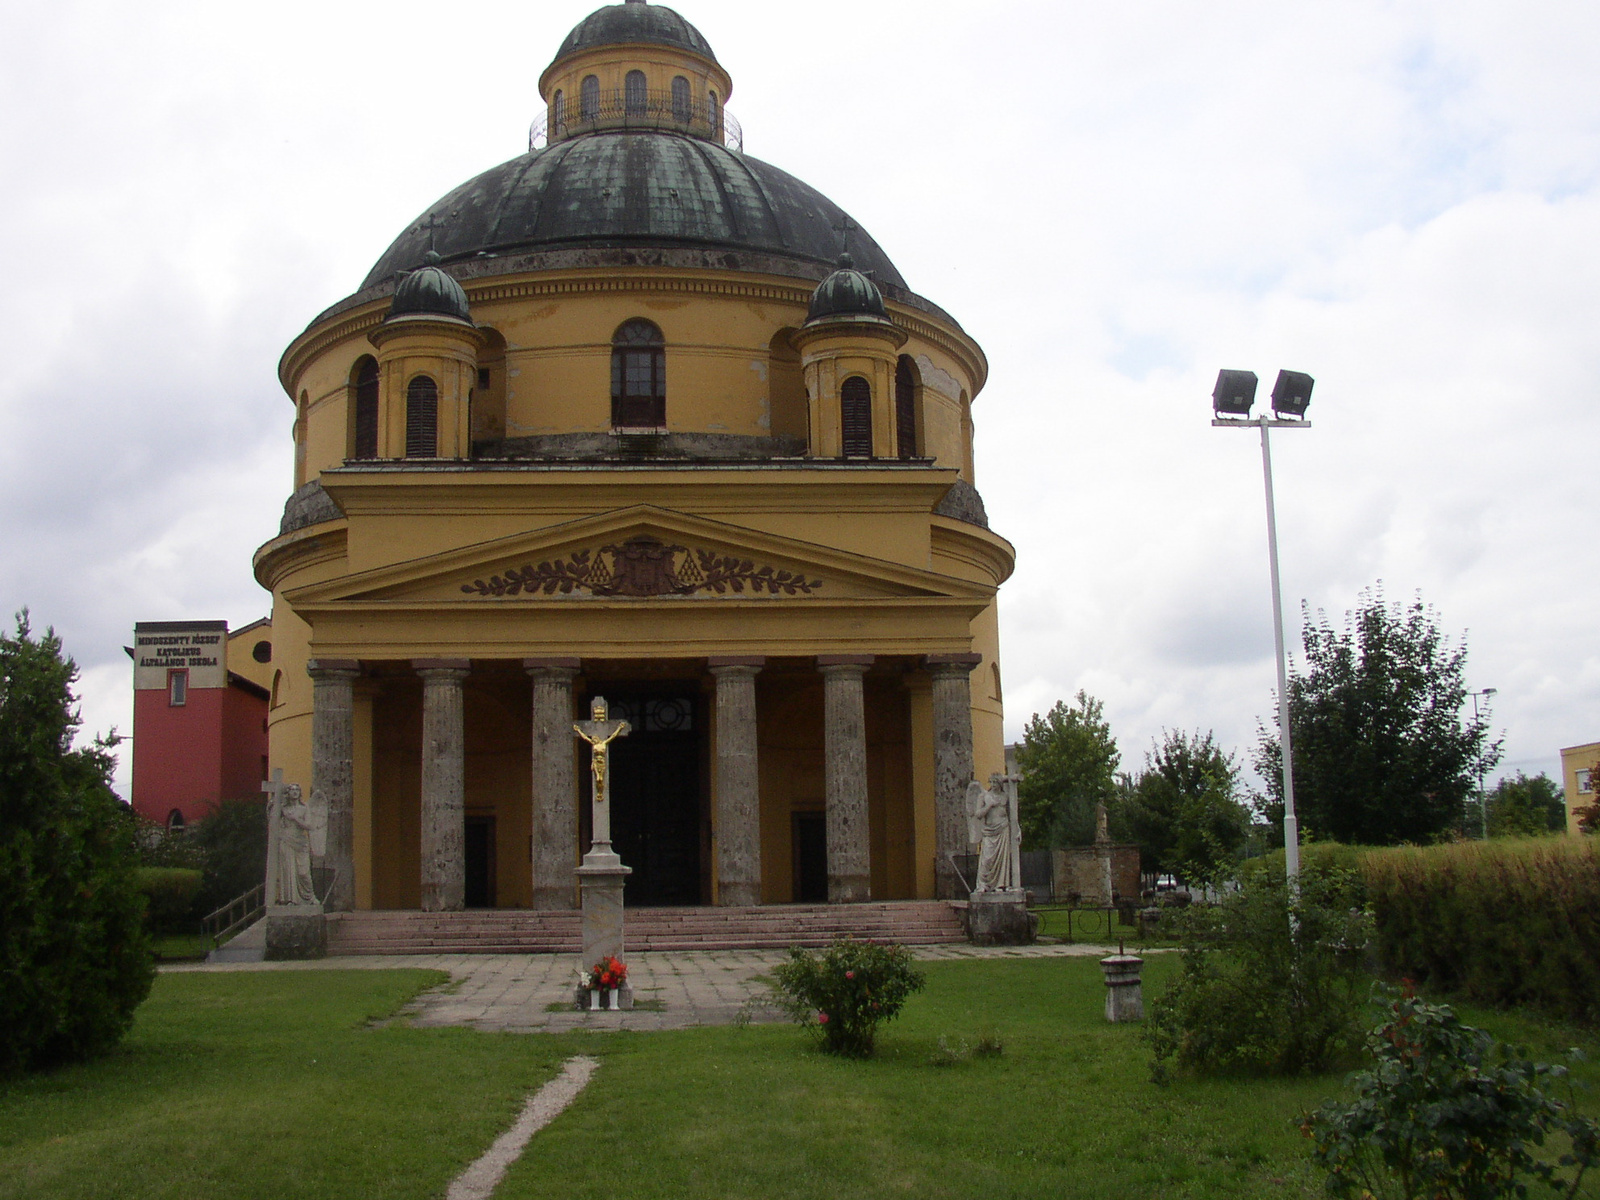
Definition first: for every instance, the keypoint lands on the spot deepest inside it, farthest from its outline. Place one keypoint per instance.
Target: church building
(639, 416)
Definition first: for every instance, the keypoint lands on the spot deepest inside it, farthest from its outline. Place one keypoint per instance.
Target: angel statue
(991, 818)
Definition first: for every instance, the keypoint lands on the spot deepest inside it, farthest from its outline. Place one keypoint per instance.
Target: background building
(199, 716)
(635, 415)
(1577, 767)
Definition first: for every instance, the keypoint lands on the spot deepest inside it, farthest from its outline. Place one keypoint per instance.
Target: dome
(635, 189)
(846, 293)
(634, 21)
(429, 291)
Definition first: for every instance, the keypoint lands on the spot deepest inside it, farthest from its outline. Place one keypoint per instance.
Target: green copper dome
(846, 293)
(634, 21)
(429, 291)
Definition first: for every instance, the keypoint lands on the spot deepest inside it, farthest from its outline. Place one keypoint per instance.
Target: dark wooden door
(655, 797)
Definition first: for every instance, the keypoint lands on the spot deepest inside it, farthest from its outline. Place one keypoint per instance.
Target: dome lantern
(847, 292)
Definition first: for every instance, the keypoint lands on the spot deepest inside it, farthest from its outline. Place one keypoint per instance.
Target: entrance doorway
(655, 794)
(479, 863)
(810, 858)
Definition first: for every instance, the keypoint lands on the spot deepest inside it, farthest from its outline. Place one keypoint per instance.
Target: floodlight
(1235, 393)
(1291, 394)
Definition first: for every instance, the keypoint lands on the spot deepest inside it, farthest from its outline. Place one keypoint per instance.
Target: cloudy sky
(1402, 199)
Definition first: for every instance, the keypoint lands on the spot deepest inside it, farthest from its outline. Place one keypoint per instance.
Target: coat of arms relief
(644, 566)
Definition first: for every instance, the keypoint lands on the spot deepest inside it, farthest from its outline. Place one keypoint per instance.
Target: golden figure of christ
(599, 733)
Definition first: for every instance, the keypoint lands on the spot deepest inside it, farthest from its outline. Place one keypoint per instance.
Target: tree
(1068, 761)
(74, 959)
(1381, 752)
(1527, 807)
(1183, 809)
(232, 839)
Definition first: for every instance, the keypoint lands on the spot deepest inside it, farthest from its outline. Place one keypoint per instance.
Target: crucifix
(430, 225)
(843, 229)
(599, 733)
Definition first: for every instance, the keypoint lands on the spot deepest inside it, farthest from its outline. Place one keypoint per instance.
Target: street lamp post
(1483, 796)
(1234, 395)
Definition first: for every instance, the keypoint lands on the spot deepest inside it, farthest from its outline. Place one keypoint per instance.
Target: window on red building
(177, 688)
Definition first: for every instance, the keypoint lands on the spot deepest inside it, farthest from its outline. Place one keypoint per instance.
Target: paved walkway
(672, 989)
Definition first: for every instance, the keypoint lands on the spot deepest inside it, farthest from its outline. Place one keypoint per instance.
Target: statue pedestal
(296, 931)
(601, 879)
(1000, 918)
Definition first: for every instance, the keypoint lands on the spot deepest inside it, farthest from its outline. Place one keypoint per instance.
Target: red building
(200, 698)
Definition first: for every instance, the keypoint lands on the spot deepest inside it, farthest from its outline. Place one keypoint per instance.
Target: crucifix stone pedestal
(602, 875)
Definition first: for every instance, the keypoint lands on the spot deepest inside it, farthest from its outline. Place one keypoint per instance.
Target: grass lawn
(278, 1084)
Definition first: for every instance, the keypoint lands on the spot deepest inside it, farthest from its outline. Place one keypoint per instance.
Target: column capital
(533, 665)
(333, 668)
(442, 668)
(858, 662)
(734, 664)
(951, 664)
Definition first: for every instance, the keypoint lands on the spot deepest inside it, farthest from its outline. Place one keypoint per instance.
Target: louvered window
(422, 418)
(634, 93)
(366, 433)
(589, 98)
(558, 115)
(855, 402)
(905, 409)
(638, 377)
(680, 99)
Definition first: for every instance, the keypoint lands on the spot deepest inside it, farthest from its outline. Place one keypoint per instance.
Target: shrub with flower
(610, 972)
(846, 990)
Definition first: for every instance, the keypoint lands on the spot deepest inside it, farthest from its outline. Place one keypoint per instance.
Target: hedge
(1509, 921)
(169, 894)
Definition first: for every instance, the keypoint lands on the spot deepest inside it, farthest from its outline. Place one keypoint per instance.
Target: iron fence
(621, 108)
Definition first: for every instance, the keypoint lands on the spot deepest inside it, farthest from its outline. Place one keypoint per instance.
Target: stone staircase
(520, 931)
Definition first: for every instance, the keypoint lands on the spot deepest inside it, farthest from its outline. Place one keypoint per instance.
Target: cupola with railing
(635, 65)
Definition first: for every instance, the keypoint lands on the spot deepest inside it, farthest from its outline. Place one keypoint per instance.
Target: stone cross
(599, 733)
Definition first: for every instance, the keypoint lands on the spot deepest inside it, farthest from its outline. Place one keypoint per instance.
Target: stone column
(332, 772)
(555, 797)
(844, 749)
(738, 798)
(952, 764)
(444, 755)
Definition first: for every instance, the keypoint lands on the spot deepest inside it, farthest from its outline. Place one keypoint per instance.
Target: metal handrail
(251, 905)
(617, 109)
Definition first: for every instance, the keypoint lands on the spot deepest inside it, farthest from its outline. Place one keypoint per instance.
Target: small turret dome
(429, 291)
(846, 293)
(633, 22)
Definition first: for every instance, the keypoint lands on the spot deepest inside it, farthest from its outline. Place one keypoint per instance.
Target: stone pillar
(844, 749)
(555, 797)
(952, 764)
(444, 760)
(738, 798)
(332, 772)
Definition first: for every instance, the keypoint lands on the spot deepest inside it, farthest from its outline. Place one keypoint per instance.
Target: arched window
(905, 408)
(716, 116)
(855, 405)
(634, 93)
(680, 99)
(422, 418)
(364, 426)
(558, 114)
(589, 98)
(638, 377)
(175, 821)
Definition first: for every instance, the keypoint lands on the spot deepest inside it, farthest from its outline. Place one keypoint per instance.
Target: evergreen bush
(844, 992)
(74, 957)
(1257, 995)
(232, 840)
(1502, 922)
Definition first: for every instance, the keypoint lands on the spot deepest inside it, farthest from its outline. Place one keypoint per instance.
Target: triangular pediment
(640, 553)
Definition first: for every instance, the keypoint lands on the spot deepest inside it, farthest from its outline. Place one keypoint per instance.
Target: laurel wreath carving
(641, 567)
